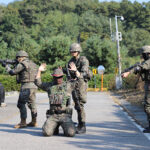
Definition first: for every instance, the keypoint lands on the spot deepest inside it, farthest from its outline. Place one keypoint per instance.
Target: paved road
(108, 128)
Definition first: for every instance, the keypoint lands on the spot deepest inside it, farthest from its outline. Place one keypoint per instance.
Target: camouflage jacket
(145, 70)
(25, 73)
(59, 95)
(82, 65)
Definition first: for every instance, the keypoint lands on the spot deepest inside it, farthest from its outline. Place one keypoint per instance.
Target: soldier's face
(74, 54)
(59, 80)
(20, 59)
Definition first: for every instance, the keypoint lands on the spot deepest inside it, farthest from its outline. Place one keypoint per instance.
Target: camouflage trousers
(79, 95)
(27, 96)
(147, 100)
(2, 93)
(64, 120)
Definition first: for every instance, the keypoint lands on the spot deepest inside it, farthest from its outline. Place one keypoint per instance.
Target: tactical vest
(79, 65)
(145, 71)
(28, 74)
(58, 95)
(146, 75)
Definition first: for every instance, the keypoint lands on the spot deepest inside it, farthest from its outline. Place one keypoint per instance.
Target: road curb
(130, 113)
(11, 93)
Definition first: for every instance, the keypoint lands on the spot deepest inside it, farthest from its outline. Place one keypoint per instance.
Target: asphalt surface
(135, 111)
(108, 128)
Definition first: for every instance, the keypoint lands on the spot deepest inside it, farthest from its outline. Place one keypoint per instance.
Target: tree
(135, 39)
(101, 52)
(55, 50)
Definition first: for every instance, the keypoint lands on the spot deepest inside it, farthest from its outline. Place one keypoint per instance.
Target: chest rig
(78, 65)
(58, 95)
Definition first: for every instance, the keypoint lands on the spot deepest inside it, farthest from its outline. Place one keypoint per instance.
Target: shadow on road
(110, 137)
(29, 130)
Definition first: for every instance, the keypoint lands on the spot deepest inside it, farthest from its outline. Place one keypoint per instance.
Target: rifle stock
(130, 68)
(68, 73)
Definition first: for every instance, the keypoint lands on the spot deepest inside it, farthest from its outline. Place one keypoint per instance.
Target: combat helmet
(58, 73)
(75, 47)
(146, 49)
(22, 54)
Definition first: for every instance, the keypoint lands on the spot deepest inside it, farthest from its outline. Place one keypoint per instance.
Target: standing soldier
(144, 70)
(2, 96)
(77, 72)
(25, 71)
(60, 112)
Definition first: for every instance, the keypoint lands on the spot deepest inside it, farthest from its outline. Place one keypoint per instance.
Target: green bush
(108, 81)
(130, 82)
(9, 82)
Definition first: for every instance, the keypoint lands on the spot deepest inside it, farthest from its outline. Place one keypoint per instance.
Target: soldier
(2, 96)
(144, 70)
(78, 76)
(25, 71)
(60, 112)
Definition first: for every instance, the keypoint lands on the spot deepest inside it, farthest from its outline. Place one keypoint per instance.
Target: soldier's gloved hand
(137, 69)
(8, 68)
(3, 64)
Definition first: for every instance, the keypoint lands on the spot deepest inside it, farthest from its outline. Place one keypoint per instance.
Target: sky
(5, 2)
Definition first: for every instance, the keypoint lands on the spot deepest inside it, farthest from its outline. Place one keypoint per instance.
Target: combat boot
(56, 132)
(22, 124)
(33, 123)
(3, 105)
(147, 130)
(81, 128)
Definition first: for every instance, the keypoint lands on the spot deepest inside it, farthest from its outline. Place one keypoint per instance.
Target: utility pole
(118, 38)
(110, 28)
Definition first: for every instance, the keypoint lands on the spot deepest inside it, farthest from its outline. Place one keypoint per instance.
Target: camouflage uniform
(2, 95)
(80, 84)
(25, 72)
(60, 112)
(144, 70)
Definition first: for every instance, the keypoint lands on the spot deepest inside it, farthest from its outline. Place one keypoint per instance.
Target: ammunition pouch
(18, 79)
(58, 112)
(88, 76)
(69, 111)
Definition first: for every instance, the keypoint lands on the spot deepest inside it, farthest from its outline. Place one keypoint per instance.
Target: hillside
(46, 28)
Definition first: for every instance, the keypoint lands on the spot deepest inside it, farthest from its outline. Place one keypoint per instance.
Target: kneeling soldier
(59, 99)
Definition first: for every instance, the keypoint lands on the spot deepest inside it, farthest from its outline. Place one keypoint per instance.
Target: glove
(8, 68)
(3, 64)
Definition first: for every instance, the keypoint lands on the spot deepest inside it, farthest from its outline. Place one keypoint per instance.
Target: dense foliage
(46, 28)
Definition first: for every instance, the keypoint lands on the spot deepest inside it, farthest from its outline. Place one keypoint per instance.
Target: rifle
(8, 61)
(67, 72)
(137, 70)
(131, 67)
